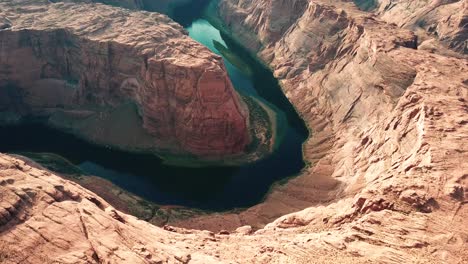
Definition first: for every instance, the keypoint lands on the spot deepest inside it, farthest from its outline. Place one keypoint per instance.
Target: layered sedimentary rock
(46, 219)
(388, 124)
(130, 4)
(445, 20)
(387, 181)
(131, 80)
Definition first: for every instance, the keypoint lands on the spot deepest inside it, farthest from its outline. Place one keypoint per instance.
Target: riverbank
(120, 198)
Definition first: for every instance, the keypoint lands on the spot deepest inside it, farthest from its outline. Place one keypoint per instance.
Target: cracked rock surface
(388, 180)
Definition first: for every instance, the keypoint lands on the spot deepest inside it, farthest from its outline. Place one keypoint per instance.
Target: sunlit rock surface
(444, 20)
(388, 175)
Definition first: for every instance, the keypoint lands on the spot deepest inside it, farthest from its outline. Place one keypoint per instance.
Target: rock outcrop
(129, 4)
(388, 125)
(131, 80)
(444, 20)
(46, 219)
(162, 6)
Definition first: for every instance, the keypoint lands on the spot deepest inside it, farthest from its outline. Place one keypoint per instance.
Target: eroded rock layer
(46, 219)
(162, 6)
(388, 178)
(86, 72)
(388, 126)
(445, 20)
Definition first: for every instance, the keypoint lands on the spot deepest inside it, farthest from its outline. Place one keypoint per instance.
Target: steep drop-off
(130, 80)
(46, 219)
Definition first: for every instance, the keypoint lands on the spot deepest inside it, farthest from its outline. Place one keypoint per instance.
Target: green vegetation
(174, 213)
(260, 126)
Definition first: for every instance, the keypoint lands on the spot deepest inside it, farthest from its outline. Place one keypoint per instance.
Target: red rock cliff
(81, 70)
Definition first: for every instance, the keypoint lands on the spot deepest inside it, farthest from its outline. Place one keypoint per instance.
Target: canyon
(383, 87)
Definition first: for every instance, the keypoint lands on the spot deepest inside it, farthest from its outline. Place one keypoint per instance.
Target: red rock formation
(130, 4)
(78, 69)
(382, 114)
(388, 178)
(45, 219)
(445, 20)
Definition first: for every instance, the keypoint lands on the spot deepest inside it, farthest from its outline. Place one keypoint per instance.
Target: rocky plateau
(383, 86)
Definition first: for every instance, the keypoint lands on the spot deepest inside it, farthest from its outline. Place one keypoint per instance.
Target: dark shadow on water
(187, 13)
(213, 188)
(267, 86)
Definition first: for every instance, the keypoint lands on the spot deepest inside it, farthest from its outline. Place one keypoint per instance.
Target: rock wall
(444, 20)
(130, 4)
(74, 69)
(386, 121)
(46, 219)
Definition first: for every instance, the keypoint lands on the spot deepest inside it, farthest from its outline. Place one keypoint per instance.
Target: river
(210, 188)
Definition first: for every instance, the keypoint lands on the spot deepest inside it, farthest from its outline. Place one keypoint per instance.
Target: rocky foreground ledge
(120, 78)
(46, 219)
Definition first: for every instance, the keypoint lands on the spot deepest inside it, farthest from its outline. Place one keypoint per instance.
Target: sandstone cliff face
(82, 71)
(445, 20)
(130, 4)
(46, 219)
